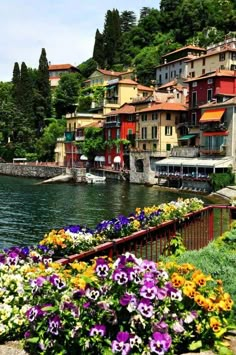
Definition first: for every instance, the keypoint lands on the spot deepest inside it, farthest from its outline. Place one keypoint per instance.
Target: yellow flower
(189, 291)
(200, 300)
(177, 280)
(185, 268)
(209, 305)
(215, 324)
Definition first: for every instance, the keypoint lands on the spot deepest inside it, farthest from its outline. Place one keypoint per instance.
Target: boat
(94, 179)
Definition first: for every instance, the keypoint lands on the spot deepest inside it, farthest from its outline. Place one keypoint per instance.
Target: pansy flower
(56, 281)
(54, 325)
(34, 312)
(101, 267)
(160, 343)
(98, 329)
(145, 308)
(120, 276)
(148, 290)
(92, 294)
(121, 344)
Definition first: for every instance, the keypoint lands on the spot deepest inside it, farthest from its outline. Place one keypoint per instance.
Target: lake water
(29, 210)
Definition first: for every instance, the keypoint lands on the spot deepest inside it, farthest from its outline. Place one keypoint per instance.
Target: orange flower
(185, 268)
(177, 280)
(215, 324)
(189, 291)
(209, 305)
(200, 300)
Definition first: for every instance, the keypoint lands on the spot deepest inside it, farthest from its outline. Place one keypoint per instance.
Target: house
(173, 65)
(119, 127)
(56, 70)
(100, 77)
(66, 150)
(218, 56)
(157, 131)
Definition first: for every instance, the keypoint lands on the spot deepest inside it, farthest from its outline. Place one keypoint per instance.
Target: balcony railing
(112, 124)
(188, 152)
(197, 230)
(213, 151)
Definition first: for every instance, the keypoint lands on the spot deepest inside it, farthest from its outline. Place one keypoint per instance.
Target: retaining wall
(34, 171)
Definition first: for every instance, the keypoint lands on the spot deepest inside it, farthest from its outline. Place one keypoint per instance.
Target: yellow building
(100, 77)
(157, 127)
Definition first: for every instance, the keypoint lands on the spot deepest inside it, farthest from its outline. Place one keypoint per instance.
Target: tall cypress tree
(16, 84)
(26, 95)
(43, 83)
(98, 50)
(112, 37)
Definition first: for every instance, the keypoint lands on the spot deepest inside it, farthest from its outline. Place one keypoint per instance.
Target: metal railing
(197, 230)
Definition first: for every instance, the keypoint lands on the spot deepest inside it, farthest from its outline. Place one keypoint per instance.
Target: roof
(183, 48)
(218, 72)
(97, 124)
(61, 67)
(176, 60)
(125, 109)
(218, 163)
(111, 72)
(165, 106)
(145, 88)
(228, 49)
(231, 101)
(127, 81)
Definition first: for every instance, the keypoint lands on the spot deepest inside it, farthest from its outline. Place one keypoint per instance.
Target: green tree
(98, 50)
(127, 21)
(46, 144)
(43, 83)
(26, 95)
(112, 38)
(87, 68)
(145, 63)
(66, 94)
(94, 142)
(16, 84)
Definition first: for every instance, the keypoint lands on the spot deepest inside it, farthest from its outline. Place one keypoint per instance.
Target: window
(144, 132)
(233, 56)
(154, 117)
(117, 149)
(192, 74)
(130, 118)
(194, 119)
(180, 71)
(130, 131)
(154, 147)
(166, 75)
(203, 61)
(108, 134)
(109, 159)
(144, 117)
(233, 67)
(194, 84)
(118, 133)
(168, 130)
(203, 71)
(69, 127)
(154, 132)
(144, 146)
(192, 64)
(74, 126)
(209, 94)
(168, 147)
(168, 117)
(221, 57)
(194, 98)
(210, 81)
(160, 78)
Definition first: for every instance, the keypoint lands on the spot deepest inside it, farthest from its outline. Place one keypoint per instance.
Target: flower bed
(76, 239)
(130, 306)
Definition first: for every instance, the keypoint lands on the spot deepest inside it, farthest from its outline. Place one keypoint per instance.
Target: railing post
(211, 223)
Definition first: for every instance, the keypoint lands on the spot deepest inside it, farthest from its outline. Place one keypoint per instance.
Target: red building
(209, 87)
(119, 128)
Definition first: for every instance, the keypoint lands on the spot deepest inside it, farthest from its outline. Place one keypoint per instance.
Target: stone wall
(34, 171)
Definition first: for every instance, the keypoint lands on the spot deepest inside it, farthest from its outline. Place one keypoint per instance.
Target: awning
(212, 115)
(117, 159)
(188, 136)
(83, 157)
(99, 158)
(200, 162)
(219, 134)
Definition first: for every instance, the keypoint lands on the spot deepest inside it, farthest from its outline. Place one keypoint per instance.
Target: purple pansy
(160, 343)
(148, 266)
(161, 327)
(98, 329)
(129, 300)
(177, 326)
(148, 290)
(56, 281)
(54, 325)
(145, 308)
(161, 293)
(121, 344)
(34, 312)
(92, 294)
(72, 308)
(101, 268)
(12, 258)
(120, 276)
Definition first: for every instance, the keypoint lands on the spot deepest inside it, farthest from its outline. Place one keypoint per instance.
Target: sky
(65, 28)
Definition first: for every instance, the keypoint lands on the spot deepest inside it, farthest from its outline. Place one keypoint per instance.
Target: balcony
(217, 150)
(80, 138)
(112, 124)
(187, 152)
(69, 136)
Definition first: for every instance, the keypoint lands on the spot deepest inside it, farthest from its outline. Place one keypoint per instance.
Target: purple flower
(160, 343)
(121, 345)
(145, 308)
(190, 317)
(2, 259)
(130, 301)
(177, 326)
(148, 266)
(54, 325)
(56, 281)
(102, 267)
(27, 334)
(148, 290)
(12, 258)
(120, 277)
(135, 341)
(97, 329)
(161, 293)
(34, 312)
(72, 308)
(161, 327)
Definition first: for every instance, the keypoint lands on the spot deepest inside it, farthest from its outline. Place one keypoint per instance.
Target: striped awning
(212, 115)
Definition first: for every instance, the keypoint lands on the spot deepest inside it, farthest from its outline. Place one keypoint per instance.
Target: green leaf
(33, 340)
(195, 345)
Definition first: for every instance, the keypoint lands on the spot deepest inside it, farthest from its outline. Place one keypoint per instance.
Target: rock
(12, 348)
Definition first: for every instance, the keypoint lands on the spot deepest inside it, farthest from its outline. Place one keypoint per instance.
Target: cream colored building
(100, 77)
(220, 56)
(157, 129)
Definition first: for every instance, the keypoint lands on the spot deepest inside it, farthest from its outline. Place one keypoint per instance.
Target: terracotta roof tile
(125, 109)
(165, 106)
(218, 72)
(183, 48)
(145, 88)
(128, 81)
(61, 67)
